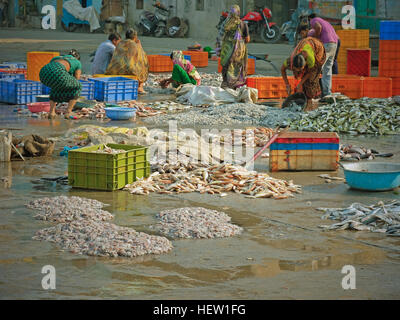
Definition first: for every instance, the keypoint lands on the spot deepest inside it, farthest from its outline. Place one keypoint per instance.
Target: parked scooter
(289, 29)
(259, 23)
(154, 23)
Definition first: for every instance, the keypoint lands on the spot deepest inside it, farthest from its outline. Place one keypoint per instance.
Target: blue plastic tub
(87, 89)
(115, 89)
(120, 113)
(373, 176)
(389, 30)
(18, 91)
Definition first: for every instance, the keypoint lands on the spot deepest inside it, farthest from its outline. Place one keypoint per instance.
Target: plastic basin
(120, 113)
(375, 176)
(37, 107)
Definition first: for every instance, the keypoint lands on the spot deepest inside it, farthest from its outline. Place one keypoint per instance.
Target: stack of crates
(19, 91)
(389, 53)
(199, 58)
(350, 39)
(114, 89)
(36, 60)
(305, 151)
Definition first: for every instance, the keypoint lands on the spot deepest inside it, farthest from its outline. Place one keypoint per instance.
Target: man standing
(104, 54)
(324, 31)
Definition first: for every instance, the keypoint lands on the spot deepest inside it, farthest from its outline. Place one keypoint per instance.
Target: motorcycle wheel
(160, 31)
(273, 36)
(71, 27)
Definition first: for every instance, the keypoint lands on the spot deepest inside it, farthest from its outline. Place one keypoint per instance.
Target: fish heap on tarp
(380, 217)
(216, 179)
(362, 116)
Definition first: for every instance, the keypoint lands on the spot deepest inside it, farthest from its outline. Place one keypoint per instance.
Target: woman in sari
(233, 51)
(183, 72)
(129, 58)
(62, 76)
(306, 63)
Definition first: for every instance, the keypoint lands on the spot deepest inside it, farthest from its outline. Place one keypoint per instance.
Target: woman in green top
(62, 76)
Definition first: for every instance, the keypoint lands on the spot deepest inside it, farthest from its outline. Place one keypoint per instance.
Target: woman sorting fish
(183, 72)
(62, 76)
(306, 63)
(233, 52)
(129, 58)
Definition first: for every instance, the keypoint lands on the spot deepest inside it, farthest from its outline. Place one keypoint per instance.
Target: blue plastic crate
(17, 91)
(5, 75)
(389, 30)
(188, 58)
(87, 89)
(13, 65)
(115, 89)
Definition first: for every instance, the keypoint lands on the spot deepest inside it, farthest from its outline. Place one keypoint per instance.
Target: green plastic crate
(99, 171)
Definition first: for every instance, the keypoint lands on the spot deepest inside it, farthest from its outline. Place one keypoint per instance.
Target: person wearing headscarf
(233, 51)
(129, 58)
(306, 63)
(62, 76)
(183, 72)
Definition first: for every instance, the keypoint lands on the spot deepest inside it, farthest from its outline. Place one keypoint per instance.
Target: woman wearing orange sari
(306, 63)
(129, 58)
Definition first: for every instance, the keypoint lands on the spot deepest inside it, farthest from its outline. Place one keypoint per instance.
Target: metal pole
(244, 7)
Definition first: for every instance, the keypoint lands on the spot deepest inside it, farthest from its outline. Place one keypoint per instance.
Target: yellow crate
(36, 60)
(117, 75)
(303, 160)
(354, 38)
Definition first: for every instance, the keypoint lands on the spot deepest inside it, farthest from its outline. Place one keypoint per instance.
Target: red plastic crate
(349, 86)
(251, 66)
(389, 50)
(377, 87)
(396, 86)
(389, 68)
(359, 62)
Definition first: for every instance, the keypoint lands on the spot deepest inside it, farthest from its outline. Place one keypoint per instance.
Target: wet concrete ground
(282, 254)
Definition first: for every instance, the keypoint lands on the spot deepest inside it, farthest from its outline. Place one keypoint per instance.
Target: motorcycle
(154, 23)
(289, 29)
(259, 23)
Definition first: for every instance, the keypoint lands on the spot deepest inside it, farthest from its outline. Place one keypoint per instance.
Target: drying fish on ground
(66, 209)
(329, 179)
(103, 239)
(362, 116)
(380, 217)
(195, 223)
(354, 153)
(217, 179)
(251, 137)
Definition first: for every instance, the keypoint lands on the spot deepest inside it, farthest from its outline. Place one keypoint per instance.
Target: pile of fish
(216, 179)
(363, 116)
(380, 217)
(109, 150)
(103, 239)
(65, 209)
(353, 153)
(195, 223)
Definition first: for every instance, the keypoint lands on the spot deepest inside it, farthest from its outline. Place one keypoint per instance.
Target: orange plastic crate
(349, 86)
(270, 87)
(159, 63)
(251, 66)
(199, 58)
(396, 86)
(389, 68)
(354, 38)
(389, 50)
(377, 87)
(36, 60)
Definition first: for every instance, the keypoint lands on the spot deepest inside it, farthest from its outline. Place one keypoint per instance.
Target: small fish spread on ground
(380, 217)
(217, 179)
(362, 116)
(195, 223)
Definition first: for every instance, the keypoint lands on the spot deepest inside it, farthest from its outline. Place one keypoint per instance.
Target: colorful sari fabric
(180, 76)
(179, 59)
(129, 58)
(63, 85)
(234, 51)
(315, 60)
